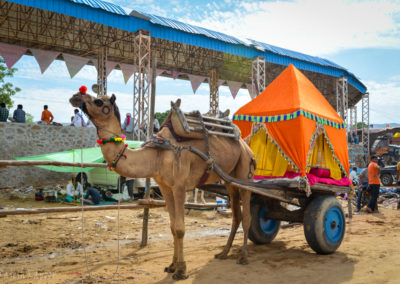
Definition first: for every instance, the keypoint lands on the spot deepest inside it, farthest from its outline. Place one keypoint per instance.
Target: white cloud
(310, 26)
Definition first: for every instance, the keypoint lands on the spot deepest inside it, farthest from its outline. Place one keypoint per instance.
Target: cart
(321, 213)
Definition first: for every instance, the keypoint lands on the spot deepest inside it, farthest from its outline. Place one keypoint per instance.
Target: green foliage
(161, 116)
(360, 125)
(29, 118)
(7, 90)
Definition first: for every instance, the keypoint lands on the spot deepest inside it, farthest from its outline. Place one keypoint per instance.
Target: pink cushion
(320, 172)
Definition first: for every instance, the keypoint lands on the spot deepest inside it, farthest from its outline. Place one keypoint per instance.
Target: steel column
(353, 121)
(102, 71)
(258, 76)
(141, 83)
(342, 100)
(365, 125)
(214, 92)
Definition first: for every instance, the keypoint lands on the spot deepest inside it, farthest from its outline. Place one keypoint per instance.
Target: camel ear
(113, 98)
(226, 113)
(176, 104)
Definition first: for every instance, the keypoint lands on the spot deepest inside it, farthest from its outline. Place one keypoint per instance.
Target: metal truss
(102, 71)
(214, 93)
(35, 28)
(365, 125)
(353, 120)
(342, 101)
(141, 84)
(257, 76)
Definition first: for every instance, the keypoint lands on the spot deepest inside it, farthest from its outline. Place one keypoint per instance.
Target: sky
(362, 36)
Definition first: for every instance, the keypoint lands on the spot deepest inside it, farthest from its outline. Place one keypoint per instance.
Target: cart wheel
(262, 231)
(324, 224)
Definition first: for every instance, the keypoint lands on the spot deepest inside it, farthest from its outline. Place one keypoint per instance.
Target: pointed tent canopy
(294, 112)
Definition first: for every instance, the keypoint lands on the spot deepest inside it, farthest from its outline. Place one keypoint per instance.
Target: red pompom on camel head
(83, 90)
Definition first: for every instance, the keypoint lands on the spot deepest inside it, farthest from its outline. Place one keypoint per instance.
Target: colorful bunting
(127, 70)
(74, 63)
(11, 53)
(195, 81)
(234, 87)
(44, 58)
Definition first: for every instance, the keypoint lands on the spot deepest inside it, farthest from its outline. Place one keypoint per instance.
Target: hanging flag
(110, 65)
(127, 70)
(175, 74)
(220, 82)
(74, 63)
(11, 53)
(251, 91)
(195, 81)
(44, 58)
(159, 72)
(234, 87)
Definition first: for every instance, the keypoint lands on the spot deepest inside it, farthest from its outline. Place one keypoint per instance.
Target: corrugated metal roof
(99, 4)
(174, 30)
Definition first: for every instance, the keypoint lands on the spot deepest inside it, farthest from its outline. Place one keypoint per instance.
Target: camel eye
(98, 103)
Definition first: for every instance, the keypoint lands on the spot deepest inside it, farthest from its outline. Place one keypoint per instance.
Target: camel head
(103, 111)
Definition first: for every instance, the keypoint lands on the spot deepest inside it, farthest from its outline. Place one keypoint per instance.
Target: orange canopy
(293, 110)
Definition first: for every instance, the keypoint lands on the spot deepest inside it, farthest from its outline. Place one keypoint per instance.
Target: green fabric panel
(90, 155)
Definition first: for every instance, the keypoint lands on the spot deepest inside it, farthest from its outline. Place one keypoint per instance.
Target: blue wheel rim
(268, 226)
(334, 225)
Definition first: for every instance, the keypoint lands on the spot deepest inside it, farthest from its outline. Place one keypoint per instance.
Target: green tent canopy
(88, 155)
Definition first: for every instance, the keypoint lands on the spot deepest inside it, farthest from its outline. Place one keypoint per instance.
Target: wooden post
(150, 128)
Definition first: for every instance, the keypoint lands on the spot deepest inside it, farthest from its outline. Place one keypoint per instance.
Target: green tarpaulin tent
(88, 155)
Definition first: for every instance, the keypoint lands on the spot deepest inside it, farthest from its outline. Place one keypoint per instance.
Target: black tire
(324, 224)
(386, 179)
(262, 231)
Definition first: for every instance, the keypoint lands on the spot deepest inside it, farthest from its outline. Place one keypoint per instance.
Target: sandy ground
(48, 249)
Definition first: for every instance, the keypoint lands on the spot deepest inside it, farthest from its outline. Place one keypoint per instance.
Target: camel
(175, 172)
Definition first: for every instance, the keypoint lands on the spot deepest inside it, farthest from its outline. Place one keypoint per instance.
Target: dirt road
(49, 249)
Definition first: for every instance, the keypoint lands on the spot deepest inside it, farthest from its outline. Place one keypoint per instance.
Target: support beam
(102, 71)
(342, 99)
(365, 125)
(141, 83)
(353, 121)
(258, 76)
(214, 93)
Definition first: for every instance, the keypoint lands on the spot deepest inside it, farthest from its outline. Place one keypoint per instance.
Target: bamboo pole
(143, 203)
(12, 163)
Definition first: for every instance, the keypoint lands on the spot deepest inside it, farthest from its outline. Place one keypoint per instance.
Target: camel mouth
(76, 101)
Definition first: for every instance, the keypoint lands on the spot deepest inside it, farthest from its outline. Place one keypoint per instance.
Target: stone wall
(20, 140)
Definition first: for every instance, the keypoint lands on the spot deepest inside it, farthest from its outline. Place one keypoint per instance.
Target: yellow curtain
(269, 161)
(321, 156)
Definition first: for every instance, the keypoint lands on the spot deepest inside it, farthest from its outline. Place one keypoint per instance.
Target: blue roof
(131, 20)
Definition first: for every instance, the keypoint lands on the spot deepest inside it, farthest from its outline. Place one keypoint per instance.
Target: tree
(29, 118)
(161, 116)
(7, 90)
(360, 125)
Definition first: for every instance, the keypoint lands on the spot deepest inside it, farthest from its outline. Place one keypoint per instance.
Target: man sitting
(91, 193)
(74, 189)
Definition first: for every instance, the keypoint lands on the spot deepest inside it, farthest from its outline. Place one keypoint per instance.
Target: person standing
(19, 115)
(354, 177)
(78, 121)
(374, 184)
(127, 126)
(363, 185)
(3, 112)
(156, 125)
(47, 116)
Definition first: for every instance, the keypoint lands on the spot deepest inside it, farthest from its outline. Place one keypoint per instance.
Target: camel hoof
(179, 275)
(242, 260)
(221, 255)
(170, 269)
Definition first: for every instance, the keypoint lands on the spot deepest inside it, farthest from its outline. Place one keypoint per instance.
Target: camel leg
(236, 219)
(196, 191)
(202, 197)
(245, 197)
(169, 200)
(180, 265)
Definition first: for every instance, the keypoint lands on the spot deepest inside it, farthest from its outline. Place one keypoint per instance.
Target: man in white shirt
(354, 176)
(78, 189)
(78, 121)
